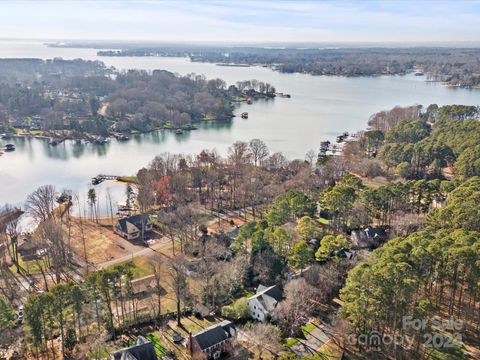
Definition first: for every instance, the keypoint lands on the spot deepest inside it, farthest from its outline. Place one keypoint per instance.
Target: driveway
(313, 341)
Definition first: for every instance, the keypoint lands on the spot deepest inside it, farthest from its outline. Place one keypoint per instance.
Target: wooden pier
(102, 177)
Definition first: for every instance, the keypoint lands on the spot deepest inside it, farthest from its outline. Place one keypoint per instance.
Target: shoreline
(182, 128)
(91, 137)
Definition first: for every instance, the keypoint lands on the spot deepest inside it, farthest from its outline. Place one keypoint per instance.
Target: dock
(56, 141)
(101, 178)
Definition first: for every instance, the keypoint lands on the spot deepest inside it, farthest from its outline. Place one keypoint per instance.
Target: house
(130, 227)
(264, 302)
(37, 124)
(202, 311)
(29, 250)
(342, 253)
(369, 237)
(142, 350)
(144, 286)
(212, 342)
(19, 123)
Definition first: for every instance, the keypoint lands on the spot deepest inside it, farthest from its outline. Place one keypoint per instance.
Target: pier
(101, 178)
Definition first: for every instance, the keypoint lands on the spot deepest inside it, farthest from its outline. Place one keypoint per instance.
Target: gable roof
(142, 350)
(343, 253)
(144, 284)
(214, 334)
(269, 297)
(368, 237)
(135, 220)
(375, 232)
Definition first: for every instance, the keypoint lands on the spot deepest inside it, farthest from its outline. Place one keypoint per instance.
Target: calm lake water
(320, 108)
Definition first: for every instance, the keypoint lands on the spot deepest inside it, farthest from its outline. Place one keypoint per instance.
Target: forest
(76, 97)
(412, 179)
(454, 66)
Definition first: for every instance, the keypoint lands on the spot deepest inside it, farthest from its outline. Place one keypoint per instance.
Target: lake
(320, 108)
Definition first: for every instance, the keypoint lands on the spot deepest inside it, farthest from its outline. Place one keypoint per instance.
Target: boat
(244, 115)
(96, 180)
(249, 101)
(53, 142)
(419, 73)
(123, 137)
(9, 147)
(179, 131)
(101, 140)
(6, 136)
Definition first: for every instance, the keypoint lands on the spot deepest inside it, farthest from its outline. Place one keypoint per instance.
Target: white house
(263, 303)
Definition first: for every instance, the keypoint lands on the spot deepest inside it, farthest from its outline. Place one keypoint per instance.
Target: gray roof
(368, 237)
(142, 350)
(376, 232)
(343, 253)
(135, 220)
(214, 334)
(269, 297)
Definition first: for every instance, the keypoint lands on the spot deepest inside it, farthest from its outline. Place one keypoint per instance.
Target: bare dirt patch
(101, 243)
(225, 224)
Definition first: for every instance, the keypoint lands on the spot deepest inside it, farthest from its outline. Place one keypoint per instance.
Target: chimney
(190, 345)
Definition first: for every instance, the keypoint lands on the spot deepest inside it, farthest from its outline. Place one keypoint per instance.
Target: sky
(243, 21)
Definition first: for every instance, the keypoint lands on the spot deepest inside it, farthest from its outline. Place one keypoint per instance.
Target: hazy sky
(246, 21)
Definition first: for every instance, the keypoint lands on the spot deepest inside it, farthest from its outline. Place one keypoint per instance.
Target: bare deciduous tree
(259, 151)
(263, 336)
(50, 236)
(40, 203)
(293, 312)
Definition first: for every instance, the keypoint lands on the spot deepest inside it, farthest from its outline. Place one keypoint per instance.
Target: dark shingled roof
(135, 220)
(272, 291)
(269, 297)
(142, 350)
(214, 334)
(375, 232)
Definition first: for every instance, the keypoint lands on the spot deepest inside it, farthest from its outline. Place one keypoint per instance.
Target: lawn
(160, 349)
(249, 294)
(31, 267)
(142, 267)
(324, 221)
(240, 98)
(306, 329)
(208, 117)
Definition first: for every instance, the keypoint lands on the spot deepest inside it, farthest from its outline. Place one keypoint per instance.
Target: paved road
(150, 251)
(162, 243)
